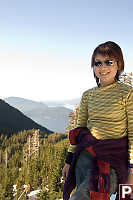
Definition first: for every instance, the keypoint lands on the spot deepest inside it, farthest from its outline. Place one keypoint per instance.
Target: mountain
(65, 103)
(24, 105)
(12, 120)
(54, 118)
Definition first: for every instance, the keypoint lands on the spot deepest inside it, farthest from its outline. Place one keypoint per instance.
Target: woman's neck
(106, 84)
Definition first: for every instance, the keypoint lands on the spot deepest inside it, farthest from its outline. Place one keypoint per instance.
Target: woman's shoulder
(90, 91)
(125, 87)
(125, 90)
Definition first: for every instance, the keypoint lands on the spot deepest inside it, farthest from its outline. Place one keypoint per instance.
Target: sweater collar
(108, 86)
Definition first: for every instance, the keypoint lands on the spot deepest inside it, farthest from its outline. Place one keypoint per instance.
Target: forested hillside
(12, 120)
(32, 159)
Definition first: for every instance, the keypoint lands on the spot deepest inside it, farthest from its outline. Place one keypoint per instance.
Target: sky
(46, 45)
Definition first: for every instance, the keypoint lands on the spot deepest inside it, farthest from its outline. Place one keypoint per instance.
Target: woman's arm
(83, 110)
(81, 122)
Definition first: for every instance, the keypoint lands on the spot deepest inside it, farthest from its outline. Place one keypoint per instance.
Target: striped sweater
(108, 113)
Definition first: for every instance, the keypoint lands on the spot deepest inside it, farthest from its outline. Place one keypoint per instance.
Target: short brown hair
(112, 50)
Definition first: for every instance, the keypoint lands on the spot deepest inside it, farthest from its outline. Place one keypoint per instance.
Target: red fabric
(112, 151)
(99, 196)
(73, 134)
(90, 149)
(104, 167)
(101, 184)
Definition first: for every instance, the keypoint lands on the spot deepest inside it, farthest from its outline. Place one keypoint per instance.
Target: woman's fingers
(65, 171)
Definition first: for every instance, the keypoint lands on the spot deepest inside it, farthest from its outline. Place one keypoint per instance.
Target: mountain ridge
(54, 118)
(12, 120)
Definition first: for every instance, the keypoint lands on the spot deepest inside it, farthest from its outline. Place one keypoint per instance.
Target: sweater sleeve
(82, 116)
(129, 110)
(83, 110)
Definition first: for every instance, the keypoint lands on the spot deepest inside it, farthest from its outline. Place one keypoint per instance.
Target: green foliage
(42, 172)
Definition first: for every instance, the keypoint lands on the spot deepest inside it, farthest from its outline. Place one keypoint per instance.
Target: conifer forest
(32, 161)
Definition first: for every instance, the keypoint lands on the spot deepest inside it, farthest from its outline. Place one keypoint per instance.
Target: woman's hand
(130, 178)
(65, 171)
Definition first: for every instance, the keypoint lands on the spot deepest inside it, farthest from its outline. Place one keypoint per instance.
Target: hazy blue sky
(46, 46)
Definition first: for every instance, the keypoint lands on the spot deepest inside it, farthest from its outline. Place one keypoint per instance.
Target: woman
(107, 112)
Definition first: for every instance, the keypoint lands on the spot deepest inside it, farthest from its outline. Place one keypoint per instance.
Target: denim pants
(82, 171)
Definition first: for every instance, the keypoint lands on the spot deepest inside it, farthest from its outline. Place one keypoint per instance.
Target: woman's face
(105, 69)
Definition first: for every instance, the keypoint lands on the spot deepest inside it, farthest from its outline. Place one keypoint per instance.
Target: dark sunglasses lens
(109, 62)
(98, 63)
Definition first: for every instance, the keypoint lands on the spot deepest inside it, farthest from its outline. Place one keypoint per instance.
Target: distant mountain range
(12, 120)
(65, 103)
(50, 114)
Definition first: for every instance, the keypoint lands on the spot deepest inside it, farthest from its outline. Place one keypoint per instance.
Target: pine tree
(127, 78)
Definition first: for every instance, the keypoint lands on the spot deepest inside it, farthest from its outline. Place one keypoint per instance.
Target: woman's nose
(103, 65)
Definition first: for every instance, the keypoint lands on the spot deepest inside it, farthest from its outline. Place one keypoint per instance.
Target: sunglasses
(108, 63)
